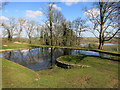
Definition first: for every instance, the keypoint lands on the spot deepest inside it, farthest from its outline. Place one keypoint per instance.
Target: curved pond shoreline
(40, 58)
(67, 65)
(69, 61)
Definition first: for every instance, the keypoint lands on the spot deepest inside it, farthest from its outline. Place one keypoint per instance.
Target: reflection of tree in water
(101, 54)
(26, 58)
(10, 55)
(7, 55)
(67, 51)
(34, 56)
(60, 52)
(78, 51)
(55, 53)
(51, 59)
(38, 55)
(42, 57)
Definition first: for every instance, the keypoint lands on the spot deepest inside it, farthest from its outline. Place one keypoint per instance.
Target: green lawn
(102, 73)
(14, 75)
(20, 45)
(13, 46)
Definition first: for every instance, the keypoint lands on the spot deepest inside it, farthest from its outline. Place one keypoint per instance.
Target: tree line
(58, 31)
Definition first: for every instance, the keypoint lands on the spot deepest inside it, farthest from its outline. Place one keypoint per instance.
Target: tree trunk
(51, 27)
(19, 37)
(101, 41)
(76, 38)
(100, 45)
(101, 26)
(9, 36)
(29, 40)
(101, 38)
(79, 37)
(64, 35)
(51, 61)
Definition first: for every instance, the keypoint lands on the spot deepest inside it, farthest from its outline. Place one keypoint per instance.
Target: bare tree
(104, 19)
(20, 26)
(53, 17)
(41, 33)
(10, 27)
(38, 28)
(30, 27)
(2, 4)
(79, 26)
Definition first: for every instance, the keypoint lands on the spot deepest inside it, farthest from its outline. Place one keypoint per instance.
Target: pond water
(44, 58)
(86, 44)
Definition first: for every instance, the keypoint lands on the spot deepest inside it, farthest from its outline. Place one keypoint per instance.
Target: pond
(87, 44)
(44, 58)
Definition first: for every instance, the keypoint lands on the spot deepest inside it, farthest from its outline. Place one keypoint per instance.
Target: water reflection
(87, 44)
(44, 58)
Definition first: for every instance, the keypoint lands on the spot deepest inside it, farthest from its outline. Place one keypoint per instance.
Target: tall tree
(64, 27)
(68, 33)
(79, 26)
(30, 26)
(20, 26)
(53, 16)
(10, 27)
(104, 19)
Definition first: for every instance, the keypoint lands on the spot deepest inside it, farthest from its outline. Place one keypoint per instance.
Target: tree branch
(113, 35)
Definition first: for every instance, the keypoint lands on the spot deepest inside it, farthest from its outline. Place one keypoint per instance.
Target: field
(102, 73)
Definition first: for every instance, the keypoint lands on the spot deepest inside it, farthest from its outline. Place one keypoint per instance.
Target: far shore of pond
(16, 46)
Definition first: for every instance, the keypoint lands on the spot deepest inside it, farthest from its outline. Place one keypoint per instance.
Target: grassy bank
(6, 46)
(14, 75)
(102, 74)
(14, 45)
(83, 60)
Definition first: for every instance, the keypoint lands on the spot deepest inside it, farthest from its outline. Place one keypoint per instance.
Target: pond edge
(66, 65)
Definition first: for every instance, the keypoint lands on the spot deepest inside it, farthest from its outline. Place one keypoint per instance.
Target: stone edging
(66, 65)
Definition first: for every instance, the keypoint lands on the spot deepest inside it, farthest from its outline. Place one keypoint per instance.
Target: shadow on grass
(77, 59)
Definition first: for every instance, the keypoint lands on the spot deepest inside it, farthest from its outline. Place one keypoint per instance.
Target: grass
(83, 60)
(14, 46)
(14, 75)
(103, 73)
(112, 48)
(20, 45)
